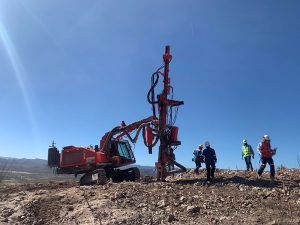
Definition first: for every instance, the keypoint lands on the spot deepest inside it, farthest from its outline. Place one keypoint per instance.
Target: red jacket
(265, 149)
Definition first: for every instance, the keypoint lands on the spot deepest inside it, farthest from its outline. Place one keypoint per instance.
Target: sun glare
(19, 72)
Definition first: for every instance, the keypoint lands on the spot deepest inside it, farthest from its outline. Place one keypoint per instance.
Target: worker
(266, 155)
(198, 158)
(210, 159)
(247, 153)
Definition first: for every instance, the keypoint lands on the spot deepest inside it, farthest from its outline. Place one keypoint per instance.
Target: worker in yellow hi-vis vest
(247, 153)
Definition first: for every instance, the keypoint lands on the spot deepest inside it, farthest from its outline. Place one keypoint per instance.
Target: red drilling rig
(100, 163)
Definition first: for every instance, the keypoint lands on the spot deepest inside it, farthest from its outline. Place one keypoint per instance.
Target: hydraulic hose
(108, 139)
(133, 140)
(151, 92)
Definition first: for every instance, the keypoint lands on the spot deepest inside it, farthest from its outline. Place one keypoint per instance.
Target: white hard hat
(266, 137)
(207, 144)
(245, 141)
(200, 146)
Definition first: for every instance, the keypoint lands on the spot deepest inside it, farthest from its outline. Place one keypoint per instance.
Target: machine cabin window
(125, 150)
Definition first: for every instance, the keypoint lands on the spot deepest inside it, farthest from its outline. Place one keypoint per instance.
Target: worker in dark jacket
(210, 159)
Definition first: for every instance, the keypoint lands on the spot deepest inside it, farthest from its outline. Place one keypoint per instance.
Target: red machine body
(81, 157)
(174, 134)
(115, 151)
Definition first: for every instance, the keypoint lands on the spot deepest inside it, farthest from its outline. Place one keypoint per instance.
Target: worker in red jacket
(266, 155)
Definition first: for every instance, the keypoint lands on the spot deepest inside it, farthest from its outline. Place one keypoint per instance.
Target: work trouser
(248, 162)
(264, 161)
(210, 170)
(198, 165)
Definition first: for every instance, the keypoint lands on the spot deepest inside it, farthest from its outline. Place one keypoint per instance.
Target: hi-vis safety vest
(247, 150)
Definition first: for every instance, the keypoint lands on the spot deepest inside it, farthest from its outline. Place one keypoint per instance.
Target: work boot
(258, 177)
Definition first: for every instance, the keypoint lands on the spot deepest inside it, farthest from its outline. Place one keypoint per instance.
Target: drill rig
(99, 163)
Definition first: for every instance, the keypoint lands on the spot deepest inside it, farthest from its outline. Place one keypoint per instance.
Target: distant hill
(33, 170)
(25, 165)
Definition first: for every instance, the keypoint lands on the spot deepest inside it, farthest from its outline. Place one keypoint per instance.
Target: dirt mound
(235, 197)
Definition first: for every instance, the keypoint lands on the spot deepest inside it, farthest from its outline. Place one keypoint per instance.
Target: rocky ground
(233, 198)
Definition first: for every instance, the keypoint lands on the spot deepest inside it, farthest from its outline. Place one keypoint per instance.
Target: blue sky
(72, 71)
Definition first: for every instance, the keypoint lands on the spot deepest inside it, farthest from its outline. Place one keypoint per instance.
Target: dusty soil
(233, 198)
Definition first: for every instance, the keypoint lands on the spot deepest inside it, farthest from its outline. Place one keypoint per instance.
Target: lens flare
(19, 72)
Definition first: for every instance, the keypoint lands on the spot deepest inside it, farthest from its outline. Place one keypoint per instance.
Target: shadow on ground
(262, 182)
